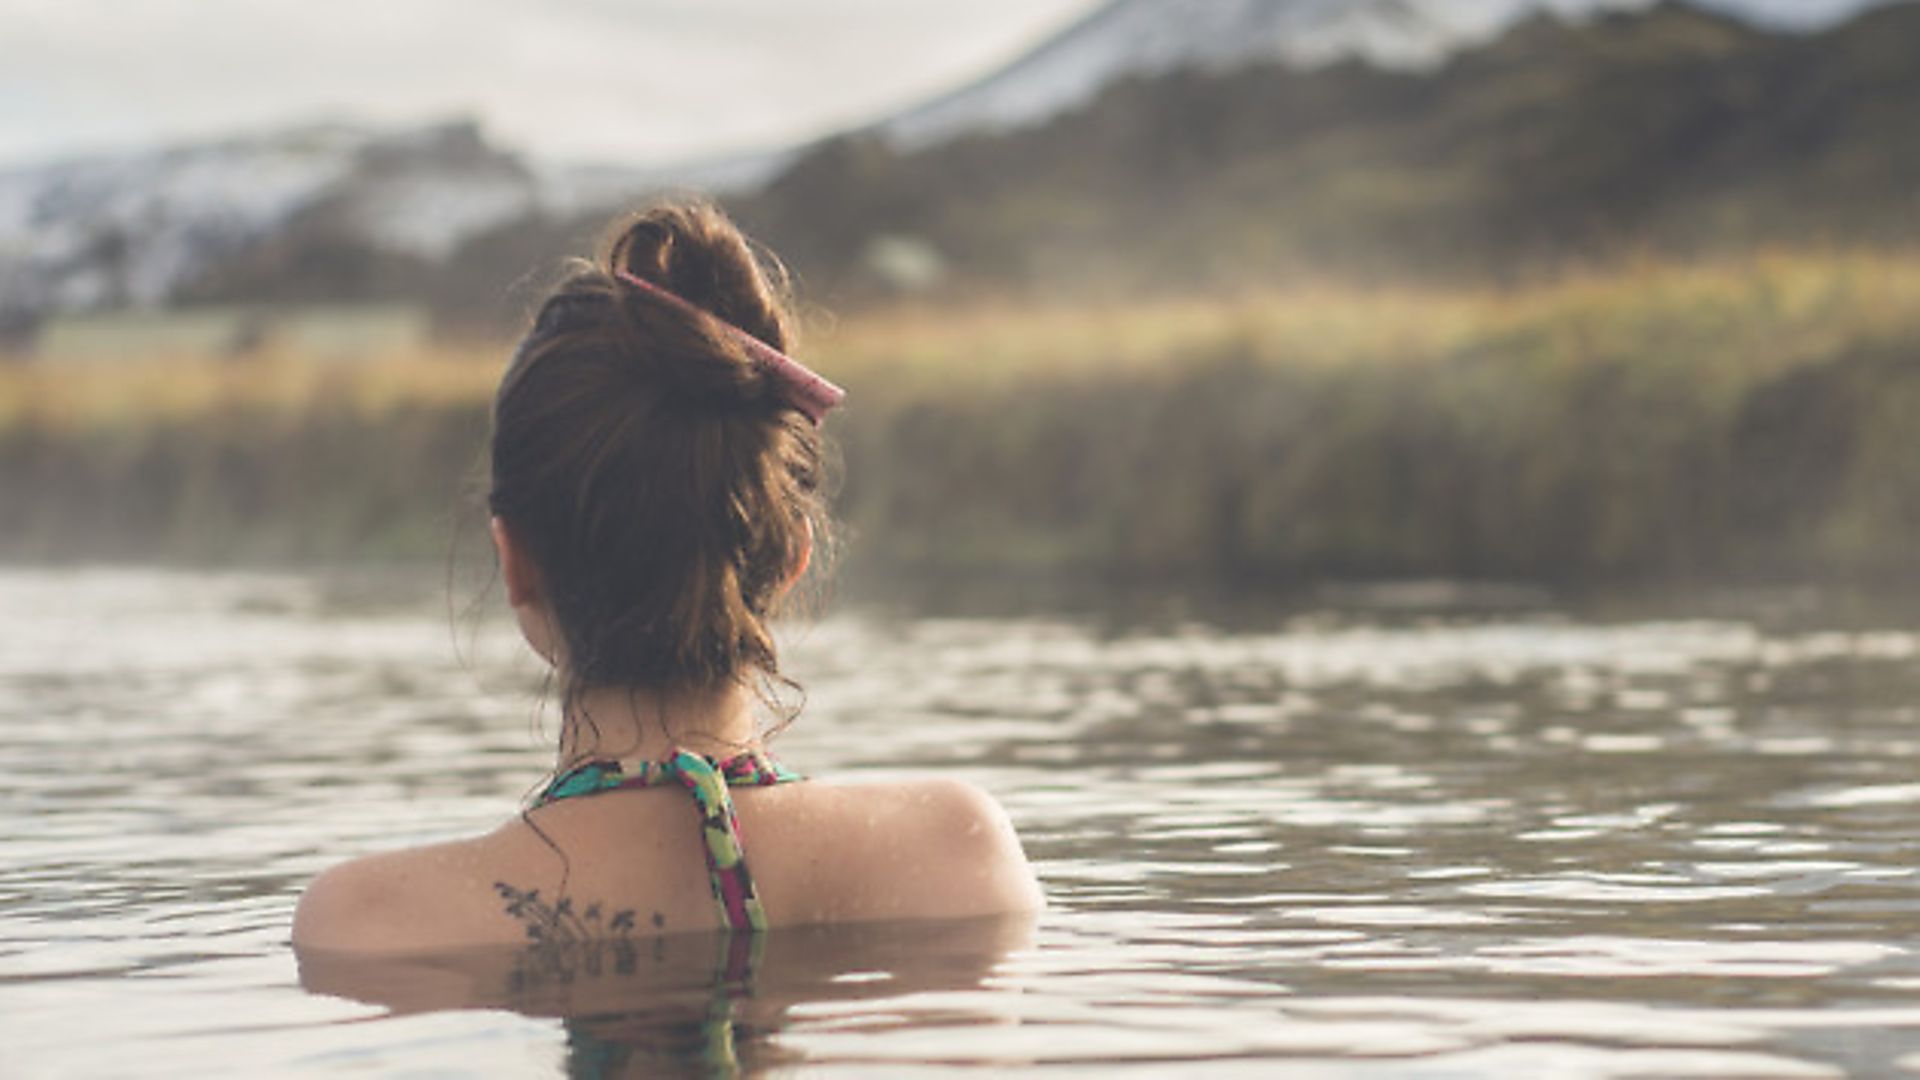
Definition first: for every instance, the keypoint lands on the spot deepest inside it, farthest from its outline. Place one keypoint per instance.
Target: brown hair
(660, 483)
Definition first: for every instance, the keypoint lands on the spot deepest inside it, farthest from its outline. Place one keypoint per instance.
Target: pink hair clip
(805, 390)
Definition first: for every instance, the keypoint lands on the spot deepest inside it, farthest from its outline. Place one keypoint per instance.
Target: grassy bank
(1758, 418)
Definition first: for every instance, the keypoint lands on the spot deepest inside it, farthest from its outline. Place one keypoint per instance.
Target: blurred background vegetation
(1634, 298)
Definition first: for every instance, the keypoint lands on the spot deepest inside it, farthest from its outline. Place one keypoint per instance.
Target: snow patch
(1149, 37)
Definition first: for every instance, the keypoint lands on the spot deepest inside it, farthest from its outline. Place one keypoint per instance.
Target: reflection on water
(1373, 836)
(693, 1002)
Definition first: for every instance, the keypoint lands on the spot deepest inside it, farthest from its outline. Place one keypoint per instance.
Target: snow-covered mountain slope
(424, 192)
(1145, 37)
(127, 228)
(135, 228)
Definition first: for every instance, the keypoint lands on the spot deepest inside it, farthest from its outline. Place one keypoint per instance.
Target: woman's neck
(646, 725)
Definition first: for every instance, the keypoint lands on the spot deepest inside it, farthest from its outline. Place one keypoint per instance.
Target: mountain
(312, 212)
(1480, 128)
(1668, 130)
(142, 228)
(1142, 38)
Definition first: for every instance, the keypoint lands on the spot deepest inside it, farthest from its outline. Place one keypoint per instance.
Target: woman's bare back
(625, 862)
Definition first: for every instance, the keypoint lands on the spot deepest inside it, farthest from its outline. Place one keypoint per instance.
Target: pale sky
(632, 81)
(639, 82)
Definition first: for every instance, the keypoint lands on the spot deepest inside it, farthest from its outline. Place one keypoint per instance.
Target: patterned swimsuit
(707, 781)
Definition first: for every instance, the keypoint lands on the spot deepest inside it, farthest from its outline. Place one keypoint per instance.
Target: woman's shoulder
(938, 848)
(393, 900)
(948, 812)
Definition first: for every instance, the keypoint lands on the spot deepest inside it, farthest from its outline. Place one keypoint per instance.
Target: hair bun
(694, 251)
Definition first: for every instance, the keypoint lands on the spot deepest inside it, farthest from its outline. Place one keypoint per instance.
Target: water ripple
(1340, 842)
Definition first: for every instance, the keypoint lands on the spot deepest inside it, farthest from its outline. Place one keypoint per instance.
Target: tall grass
(1749, 417)
(158, 391)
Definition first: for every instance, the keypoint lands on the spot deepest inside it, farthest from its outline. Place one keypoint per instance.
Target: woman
(656, 494)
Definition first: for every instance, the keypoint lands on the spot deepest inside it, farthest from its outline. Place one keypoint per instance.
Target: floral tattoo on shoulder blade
(565, 942)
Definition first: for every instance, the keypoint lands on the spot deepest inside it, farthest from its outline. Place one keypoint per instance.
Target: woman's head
(662, 486)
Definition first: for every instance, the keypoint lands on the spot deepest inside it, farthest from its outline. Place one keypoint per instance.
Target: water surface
(1368, 835)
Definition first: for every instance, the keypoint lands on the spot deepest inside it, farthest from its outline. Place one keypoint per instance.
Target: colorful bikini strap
(707, 780)
(733, 891)
(803, 388)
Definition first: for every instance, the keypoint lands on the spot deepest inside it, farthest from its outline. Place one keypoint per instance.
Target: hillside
(1140, 38)
(1143, 38)
(1670, 130)
(322, 212)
